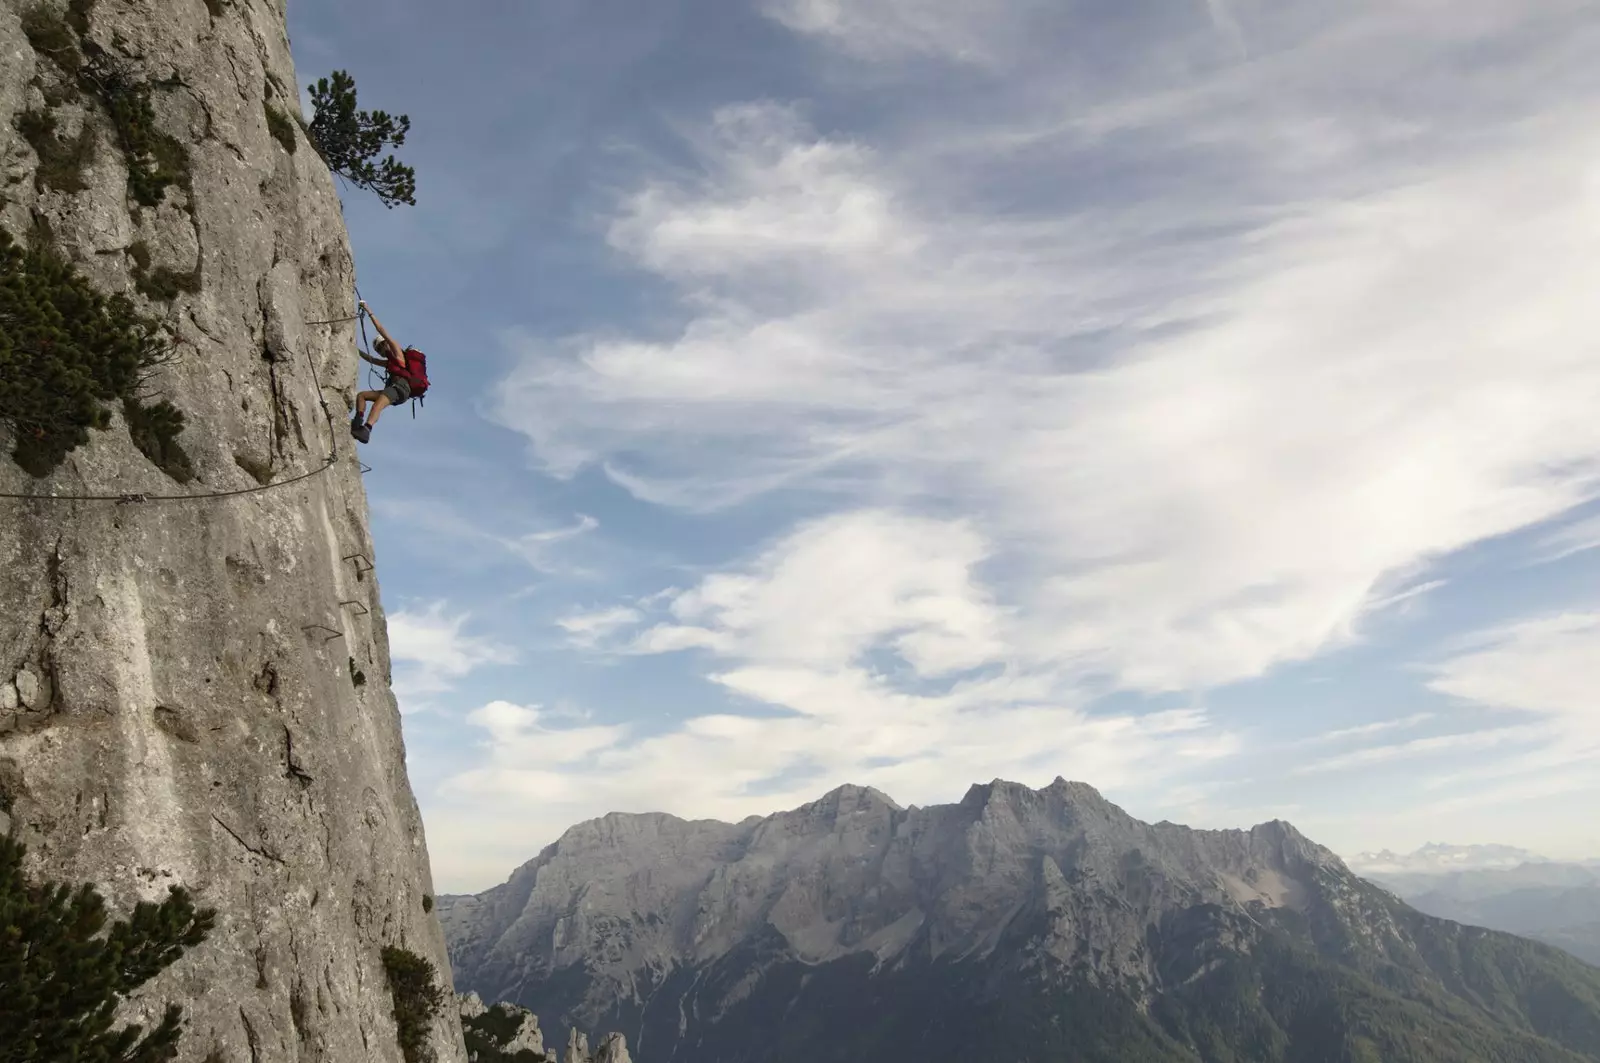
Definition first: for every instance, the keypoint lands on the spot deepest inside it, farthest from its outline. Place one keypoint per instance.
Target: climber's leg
(396, 391)
(379, 404)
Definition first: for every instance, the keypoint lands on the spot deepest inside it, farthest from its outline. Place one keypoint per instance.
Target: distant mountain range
(1017, 926)
(1435, 858)
(1483, 885)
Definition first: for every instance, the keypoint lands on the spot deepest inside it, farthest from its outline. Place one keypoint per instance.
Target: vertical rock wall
(196, 691)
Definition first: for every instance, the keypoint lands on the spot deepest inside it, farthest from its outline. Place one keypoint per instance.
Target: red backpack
(414, 372)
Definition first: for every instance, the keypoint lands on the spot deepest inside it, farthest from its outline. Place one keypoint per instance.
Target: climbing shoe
(362, 432)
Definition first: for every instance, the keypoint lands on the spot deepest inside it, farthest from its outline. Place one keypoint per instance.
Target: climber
(406, 377)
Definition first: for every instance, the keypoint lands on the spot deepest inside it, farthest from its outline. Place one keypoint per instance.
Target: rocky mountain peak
(1051, 910)
(855, 873)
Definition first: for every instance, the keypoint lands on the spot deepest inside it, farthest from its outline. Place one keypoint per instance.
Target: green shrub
(155, 430)
(358, 678)
(418, 1000)
(155, 159)
(487, 1034)
(65, 351)
(282, 128)
(427, 904)
(61, 162)
(63, 979)
(348, 140)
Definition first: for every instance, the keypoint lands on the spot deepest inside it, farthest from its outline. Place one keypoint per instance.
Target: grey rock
(614, 1049)
(577, 1048)
(191, 723)
(1550, 901)
(28, 686)
(630, 898)
(527, 1036)
(471, 1005)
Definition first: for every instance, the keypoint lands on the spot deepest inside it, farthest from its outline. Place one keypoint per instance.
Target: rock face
(194, 691)
(1553, 902)
(505, 1033)
(1018, 924)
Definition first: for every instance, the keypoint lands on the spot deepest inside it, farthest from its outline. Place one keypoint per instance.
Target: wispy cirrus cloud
(590, 629)
(433, 651)
(1570, 539)
(880, 29)
(878, 658)
(1493, 738)
(440, 522)
(1543, 666)
(888, 354)
(1366, 730)
(1096, 349)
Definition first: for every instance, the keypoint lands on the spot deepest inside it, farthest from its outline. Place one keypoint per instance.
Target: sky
(1196, 398)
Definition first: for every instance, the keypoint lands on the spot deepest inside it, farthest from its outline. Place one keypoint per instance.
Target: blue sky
(1198, 399)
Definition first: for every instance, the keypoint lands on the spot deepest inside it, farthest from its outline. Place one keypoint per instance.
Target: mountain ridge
(1012, 909)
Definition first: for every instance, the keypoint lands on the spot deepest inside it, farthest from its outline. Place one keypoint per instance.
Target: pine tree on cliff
(61, 979)
(349, 140)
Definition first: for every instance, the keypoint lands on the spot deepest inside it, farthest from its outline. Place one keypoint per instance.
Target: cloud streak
(1068, 377)
(1543, 666)
(877, 657)
(433, 652)
(1367, 386)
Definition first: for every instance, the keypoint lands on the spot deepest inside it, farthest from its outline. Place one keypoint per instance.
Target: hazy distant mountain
(1435, 858)
(1018, 926)
(1554, 902)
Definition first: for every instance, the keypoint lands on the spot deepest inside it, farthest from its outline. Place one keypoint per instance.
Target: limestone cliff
(194, 690)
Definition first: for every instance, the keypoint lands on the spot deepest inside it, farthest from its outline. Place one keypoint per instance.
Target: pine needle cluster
(64, 978)
(418, 1000)
(155, 159)
(65, 352)
(349, 140)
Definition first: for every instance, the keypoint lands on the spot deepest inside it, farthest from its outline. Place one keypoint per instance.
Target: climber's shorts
(398, 388)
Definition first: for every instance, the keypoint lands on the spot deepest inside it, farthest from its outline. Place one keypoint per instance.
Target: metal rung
(332, 634)
(359, 605)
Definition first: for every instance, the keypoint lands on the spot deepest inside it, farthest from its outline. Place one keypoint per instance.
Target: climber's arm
(394, 348)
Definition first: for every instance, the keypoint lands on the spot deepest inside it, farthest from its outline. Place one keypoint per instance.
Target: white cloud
(433, 652)
(1227, 24)
(1368, 729)
(1495, 738)
(885, 660)
(1570, 539)
(1545, 666)
(876, 29)
(841, 586)
(437, 520)
(1360, 388)
(1181, 373)
(589, 629)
